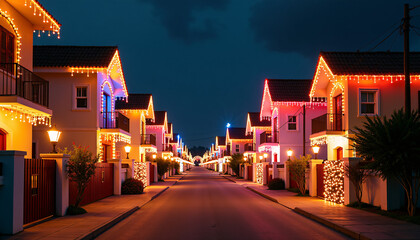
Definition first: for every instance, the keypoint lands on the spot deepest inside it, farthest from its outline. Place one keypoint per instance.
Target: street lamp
(54, 136)
(154, 156)
(165, 157)
(315, 148)
(265, 157)
(289, 153)
(261, 157)
(127, 149)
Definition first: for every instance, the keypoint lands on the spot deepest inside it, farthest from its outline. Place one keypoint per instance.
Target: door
(338, 113)
(2, 140)
(275, 130)
(339, 153)
(106, 109)
(106, 149)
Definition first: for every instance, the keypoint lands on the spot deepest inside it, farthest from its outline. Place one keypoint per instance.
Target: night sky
(204, 61)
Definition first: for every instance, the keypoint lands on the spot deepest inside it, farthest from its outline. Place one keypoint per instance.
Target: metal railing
(328, 122)
(267, 137)
(148, 139)
(16, 80)
(111, 120)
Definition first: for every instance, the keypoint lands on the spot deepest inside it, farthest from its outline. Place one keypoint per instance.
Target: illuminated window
(368, 102)
(291, 123)
(237, 147)
(81, 98)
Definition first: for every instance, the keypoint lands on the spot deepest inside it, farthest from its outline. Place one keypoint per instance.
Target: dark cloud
(182, 20)
(308, 26)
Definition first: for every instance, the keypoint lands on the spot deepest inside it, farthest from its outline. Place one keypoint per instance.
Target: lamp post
(265, 157)
(315, 148)
(261, 158)
(154, 156)
(289, 153)
(127, 149)
(54, 136)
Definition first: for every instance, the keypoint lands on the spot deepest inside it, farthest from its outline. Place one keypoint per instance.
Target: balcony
(249, 147)
(148, 139)
(16, 80)
(323, 123)
(113, 120)
(167, 148)
(267, 137)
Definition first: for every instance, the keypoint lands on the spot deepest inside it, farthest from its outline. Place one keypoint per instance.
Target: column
(12, 191)
(286, 176)
(61, 181)
(312, 181)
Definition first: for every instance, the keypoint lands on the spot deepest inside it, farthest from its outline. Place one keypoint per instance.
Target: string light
(15, 29)
(26, 116)
(266, 95)
(334, 181)
(259, 176)
(46, 17)
(140, 172)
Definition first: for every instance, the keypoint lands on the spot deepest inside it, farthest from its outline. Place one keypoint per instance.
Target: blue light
(228, 125)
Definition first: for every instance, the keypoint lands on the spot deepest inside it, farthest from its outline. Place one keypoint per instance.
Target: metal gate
(152, 173)
(101, 185)
(39, 195)
(320, 180)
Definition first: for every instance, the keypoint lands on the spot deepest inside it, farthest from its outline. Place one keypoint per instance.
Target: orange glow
(47, 18)
(15, 29)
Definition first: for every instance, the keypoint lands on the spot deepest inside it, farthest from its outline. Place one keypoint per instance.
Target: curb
(104, 227)
(229, 179)
(264, 195)
(323, 221)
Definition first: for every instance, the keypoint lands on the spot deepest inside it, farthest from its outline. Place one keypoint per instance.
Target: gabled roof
(159, 118)
(221, 140)
(169, 128)
(134, 101)
(238, 133)
(289, 90)
(254, 118)
(370, 63)
(73, 56)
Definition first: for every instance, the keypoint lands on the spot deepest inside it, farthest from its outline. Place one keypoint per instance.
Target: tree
(162, 167)
(297, 168)
(80, 169)
(357, 176)
(393, 145)
(236, 160)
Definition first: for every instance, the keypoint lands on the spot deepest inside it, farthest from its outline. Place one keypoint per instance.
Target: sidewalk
(101, 215)
(355, 223)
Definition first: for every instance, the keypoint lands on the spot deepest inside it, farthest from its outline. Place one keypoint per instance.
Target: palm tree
(394, 146)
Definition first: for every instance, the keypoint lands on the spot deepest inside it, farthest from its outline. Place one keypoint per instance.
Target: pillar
(312, 180)
(286, 175)
(349, 194)
(12, 191)
(276, 166)
(61, 181)
(117, 175)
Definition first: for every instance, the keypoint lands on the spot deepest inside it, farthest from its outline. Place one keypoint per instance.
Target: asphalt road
(204, 205)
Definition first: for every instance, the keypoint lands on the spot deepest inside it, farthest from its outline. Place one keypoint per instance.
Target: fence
(100, 186)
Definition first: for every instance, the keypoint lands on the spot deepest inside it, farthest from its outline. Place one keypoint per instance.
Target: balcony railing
(324, 123)
(167, 148)
(111, 120)
(16, 80)
(148, 139)
(267, 137)
(249, 147)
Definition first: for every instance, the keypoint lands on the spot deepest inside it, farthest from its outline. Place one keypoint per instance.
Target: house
(255, 126)
(167, 148)
(138, 108)
(286, 103)
(158, 127)
(357, 85)
(86, 81)
(237, 141)
(221, 151)
(24, 96)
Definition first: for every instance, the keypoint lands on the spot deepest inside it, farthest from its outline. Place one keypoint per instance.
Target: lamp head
(54, 134)
(265, 155)
(315, 148)
(127, 148)
(289, 152)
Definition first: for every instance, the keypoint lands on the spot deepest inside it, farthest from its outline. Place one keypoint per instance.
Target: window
(81, 97)
(237, 147)
(291, 123)
(368, 102)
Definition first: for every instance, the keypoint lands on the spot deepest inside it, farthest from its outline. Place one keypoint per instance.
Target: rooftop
(134, 101)
(238, 133)
(289, 90)
(254, 117)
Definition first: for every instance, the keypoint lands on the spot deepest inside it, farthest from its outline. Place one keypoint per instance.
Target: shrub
(297, 168)
(236, 160)
(276, 184)
(162, 167)
(72, 210)
(132, 186)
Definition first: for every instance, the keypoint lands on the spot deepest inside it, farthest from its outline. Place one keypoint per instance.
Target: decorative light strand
(334, 181)
(46, 17)
(15, 29)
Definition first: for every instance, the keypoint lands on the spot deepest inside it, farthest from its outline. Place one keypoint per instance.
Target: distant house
(158, 127)
(237, 142)
(357, 85)
(86, 81)
(24, 96)
(286, 103)
(255, 126)
(138, 108)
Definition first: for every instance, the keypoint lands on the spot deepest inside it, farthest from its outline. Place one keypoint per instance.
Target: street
(204, 205)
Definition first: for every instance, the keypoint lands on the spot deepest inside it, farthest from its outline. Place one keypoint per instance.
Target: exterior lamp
(127, 149)
(245, 158)
(154, 156)
(265, 155)
(261, 157)
(54, 136)
(289, 153)
(165, 157)
(315, 148)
